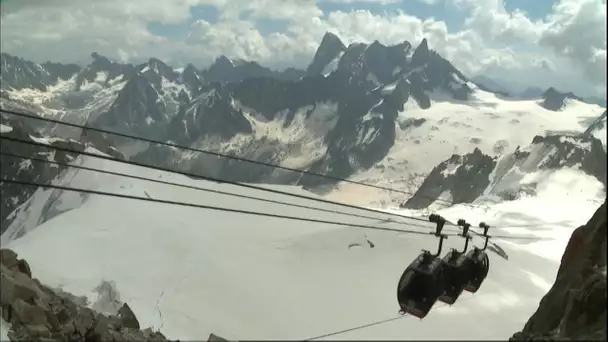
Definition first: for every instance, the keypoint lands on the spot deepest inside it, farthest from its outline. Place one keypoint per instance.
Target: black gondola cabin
(420, 285)
(480, 265)
(456, 275)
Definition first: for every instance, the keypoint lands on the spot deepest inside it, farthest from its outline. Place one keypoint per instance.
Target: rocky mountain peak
(190, 69)
(100, 62)
(18, 73)
(330, 39)
(555, 100)
(101, 69)
(421, 53)
(460, 179)
(221, 65)
(138, 109)
(192, 78)
(155, 70)
(62, 71)
(225, 70)
(356, 92)
(156, 63)
(330, 48)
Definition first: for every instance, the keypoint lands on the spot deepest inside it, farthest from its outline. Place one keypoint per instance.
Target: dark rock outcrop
(367, 89)
(18, 73)
(34, 166)
(554, 100)
(468, 177)
(575, 306)
(349, 111)
(569, 151)
(38, 313)
(225, 70)
(330, 48)
(464, 177)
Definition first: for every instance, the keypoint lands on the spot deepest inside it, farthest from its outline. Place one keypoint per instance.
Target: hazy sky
(529, 42)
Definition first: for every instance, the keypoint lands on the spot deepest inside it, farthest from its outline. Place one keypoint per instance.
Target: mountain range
(346, 115)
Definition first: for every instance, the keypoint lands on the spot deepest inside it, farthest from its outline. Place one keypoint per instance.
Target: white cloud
(577, 30)
(238, 37)
(492, 39)
(382, 2)
(493, 22)
(291, 10)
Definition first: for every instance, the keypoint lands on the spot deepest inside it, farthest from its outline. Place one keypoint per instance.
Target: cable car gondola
(456, 269)
(421, 283)
(480, 263)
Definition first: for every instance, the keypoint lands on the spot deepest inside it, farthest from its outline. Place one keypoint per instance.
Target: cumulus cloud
(573, 34)
(382, 2)
(239, 37)
(577, 30)
(492, 21)
(574, 29)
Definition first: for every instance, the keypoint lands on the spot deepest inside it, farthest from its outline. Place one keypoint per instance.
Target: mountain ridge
(340, 116)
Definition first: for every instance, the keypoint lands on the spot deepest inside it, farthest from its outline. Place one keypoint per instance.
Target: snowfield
(190, 272)
(427, 137)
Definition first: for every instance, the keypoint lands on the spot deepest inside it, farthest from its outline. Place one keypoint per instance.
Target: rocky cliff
(39, 313)
(575, 307)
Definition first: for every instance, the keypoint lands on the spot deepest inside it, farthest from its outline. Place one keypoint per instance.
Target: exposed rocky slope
(462, 179)
(19, 73)
(555, 100)
(28, 169)
(225, 70)
(337, 119)
(39, 313)
(575, 306)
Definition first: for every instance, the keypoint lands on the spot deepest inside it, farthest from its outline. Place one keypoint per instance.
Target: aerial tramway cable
(212, 179)
(216, 154)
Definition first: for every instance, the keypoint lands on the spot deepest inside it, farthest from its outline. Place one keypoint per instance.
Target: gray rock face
(37, 313)
(574, 309)
(137, 110)
(468, 177)
(570, 151)
(330, 48)
(111, 70)
(368, 87)
(465, 177)
(349, 99)
(19, 73)
(225, 70)
(554, 100)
